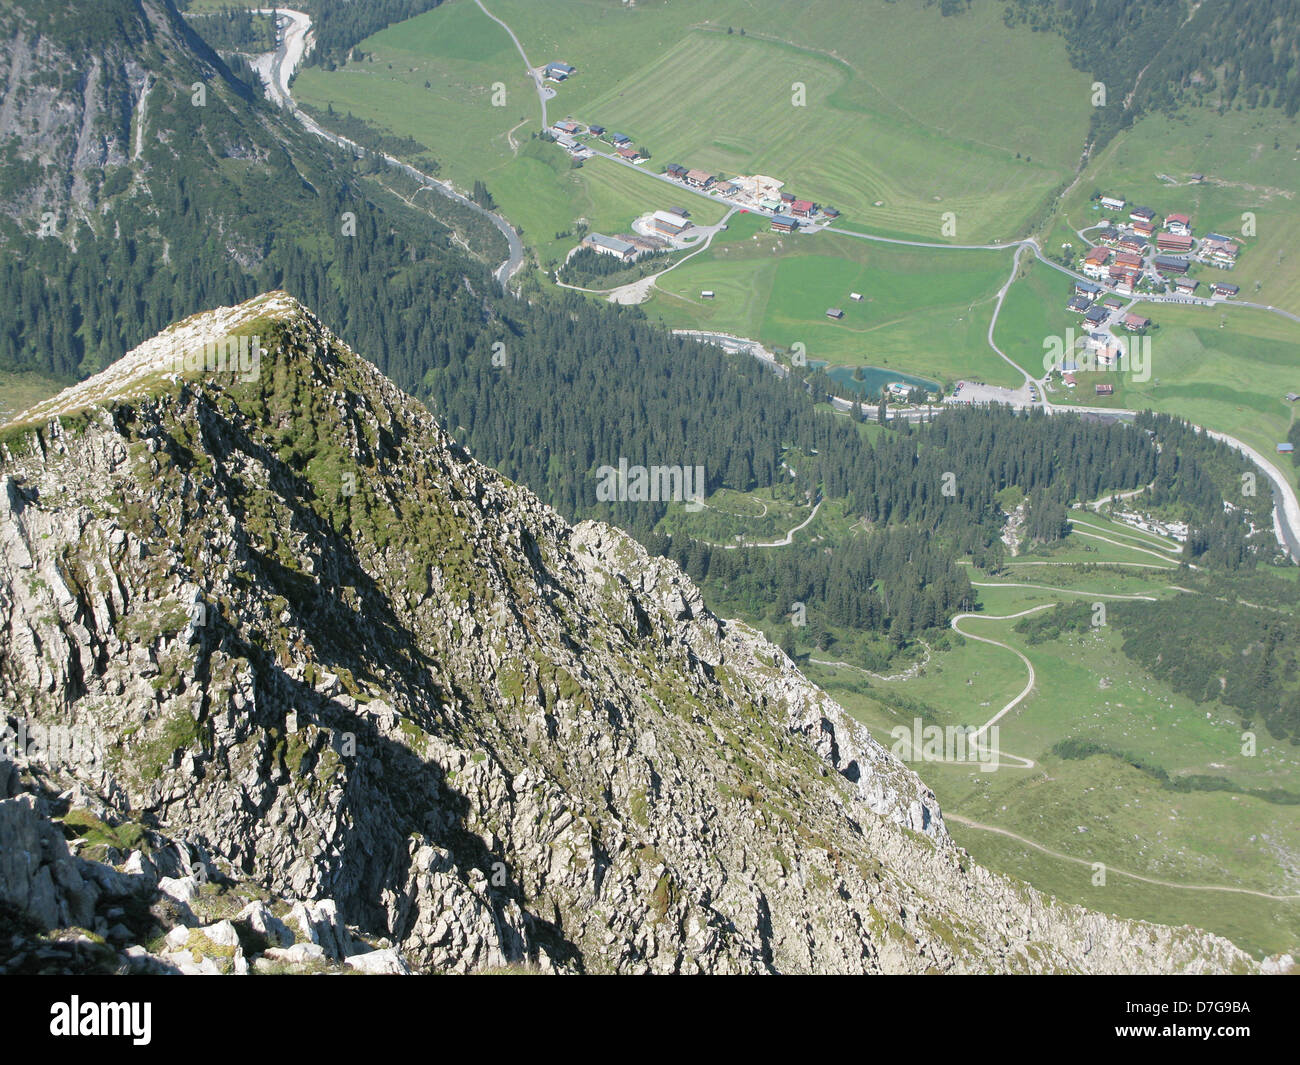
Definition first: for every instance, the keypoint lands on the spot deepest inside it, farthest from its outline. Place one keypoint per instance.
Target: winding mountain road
(276, 69)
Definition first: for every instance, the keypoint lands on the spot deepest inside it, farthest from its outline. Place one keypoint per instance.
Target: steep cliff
(301, 669)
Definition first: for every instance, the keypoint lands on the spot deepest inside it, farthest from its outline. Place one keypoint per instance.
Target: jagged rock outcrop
(323, 691)
(93, 87)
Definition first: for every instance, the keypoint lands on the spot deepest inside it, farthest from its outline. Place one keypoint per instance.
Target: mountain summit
(311, 687)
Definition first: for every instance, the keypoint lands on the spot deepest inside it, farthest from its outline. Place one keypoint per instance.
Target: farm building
(834, 312)
(1113, 203)
(669, 224)
(559, 71)
(856, 297)
(706, 294)
(620, 249)
(1291, 397)
(1105, 390)
(783, 223)
(1285, 449)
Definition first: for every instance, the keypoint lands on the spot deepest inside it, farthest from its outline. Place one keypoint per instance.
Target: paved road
(278, 67)
(1288, 506)
(735, 344)
(543, 93)
(289, 54)
(1286, 503)
(993, 321)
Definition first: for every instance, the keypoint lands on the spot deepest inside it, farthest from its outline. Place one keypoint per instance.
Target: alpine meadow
(600, 487)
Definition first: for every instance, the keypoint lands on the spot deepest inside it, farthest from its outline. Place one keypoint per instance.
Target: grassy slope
(1228, 369)
(1244, 172)
(18, 391)
(1101, 809)
(881, 122)
(924, 312)
(882, 116)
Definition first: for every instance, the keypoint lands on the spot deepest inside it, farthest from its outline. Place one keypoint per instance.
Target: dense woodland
(236, 201)
(341, 24)
(552, 387)
(236, 29)
(895, 579)
(1231, 641)
(372, 137)
(588, 267)
(1242, 655)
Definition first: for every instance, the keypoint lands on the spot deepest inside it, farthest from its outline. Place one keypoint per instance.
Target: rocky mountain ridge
(336, 694)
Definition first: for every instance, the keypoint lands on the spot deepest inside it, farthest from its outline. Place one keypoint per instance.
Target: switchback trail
(1111, 868)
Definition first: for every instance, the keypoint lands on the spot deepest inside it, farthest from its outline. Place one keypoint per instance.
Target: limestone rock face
(320, 691)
